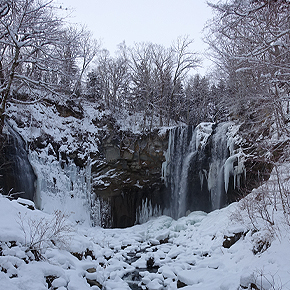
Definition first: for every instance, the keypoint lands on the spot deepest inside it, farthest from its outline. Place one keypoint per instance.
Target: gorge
(122, 177)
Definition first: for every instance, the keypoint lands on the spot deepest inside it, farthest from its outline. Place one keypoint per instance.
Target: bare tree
(66, 55)
(198, 100)
(119, 78)
(158, 74)
(163, 61)
(87, 49)
(142, 72)
(102, 73)
(29, 34)
(250, 40)
(184, 60)
(112, 78)
(147, 78)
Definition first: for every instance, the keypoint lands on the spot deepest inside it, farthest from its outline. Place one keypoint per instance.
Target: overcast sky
(157, 21)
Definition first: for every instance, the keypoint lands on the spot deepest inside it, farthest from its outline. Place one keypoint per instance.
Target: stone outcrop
(129, 173)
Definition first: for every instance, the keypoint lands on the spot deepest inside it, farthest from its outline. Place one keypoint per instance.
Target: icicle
(228, 171)
(146, 211)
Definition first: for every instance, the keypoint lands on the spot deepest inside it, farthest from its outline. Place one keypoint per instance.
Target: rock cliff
(112, 177)
(128, 173)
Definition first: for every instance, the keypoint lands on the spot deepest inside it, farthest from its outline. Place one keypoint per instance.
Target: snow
(203, 131)
(188, 250)
(45, 120)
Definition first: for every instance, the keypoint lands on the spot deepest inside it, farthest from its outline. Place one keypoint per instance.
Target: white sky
(157, 21)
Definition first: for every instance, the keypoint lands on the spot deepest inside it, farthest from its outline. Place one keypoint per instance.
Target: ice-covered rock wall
(17, 177)
(202, 165)
(99, 174)
(125, 187)
(61, 185)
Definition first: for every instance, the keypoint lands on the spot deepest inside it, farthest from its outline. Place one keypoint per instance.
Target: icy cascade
(219, 154)
(61, 185)
(184, 144)
(201, 165)
(17, 175)
(101, 212)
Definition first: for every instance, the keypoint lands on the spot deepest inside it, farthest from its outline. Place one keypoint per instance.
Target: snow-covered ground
(220, 250)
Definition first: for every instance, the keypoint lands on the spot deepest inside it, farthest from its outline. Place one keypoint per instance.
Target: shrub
(40, 233)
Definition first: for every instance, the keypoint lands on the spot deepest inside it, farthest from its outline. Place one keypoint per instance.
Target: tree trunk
(6, 92)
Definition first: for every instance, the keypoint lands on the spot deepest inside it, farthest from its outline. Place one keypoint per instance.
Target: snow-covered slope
(220, 250)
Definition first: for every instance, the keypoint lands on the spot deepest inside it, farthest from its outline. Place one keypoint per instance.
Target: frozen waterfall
(200, 162)
(62, 185)
(17, 177)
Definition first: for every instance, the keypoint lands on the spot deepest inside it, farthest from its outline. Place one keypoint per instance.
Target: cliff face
(89, 167)
(129, 173)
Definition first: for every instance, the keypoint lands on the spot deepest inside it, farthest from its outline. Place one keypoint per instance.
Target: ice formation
(62, 186)
(199, 164)
(146, 210)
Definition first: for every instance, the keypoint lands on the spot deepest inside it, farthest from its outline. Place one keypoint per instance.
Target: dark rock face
(129, 174)
(17, 177)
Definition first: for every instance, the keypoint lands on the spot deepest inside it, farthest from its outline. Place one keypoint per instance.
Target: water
(17, 175)
(134, 278)
(181, 148)
(198, 168)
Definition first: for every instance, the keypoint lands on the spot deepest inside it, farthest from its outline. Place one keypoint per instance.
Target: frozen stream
(189, 253)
